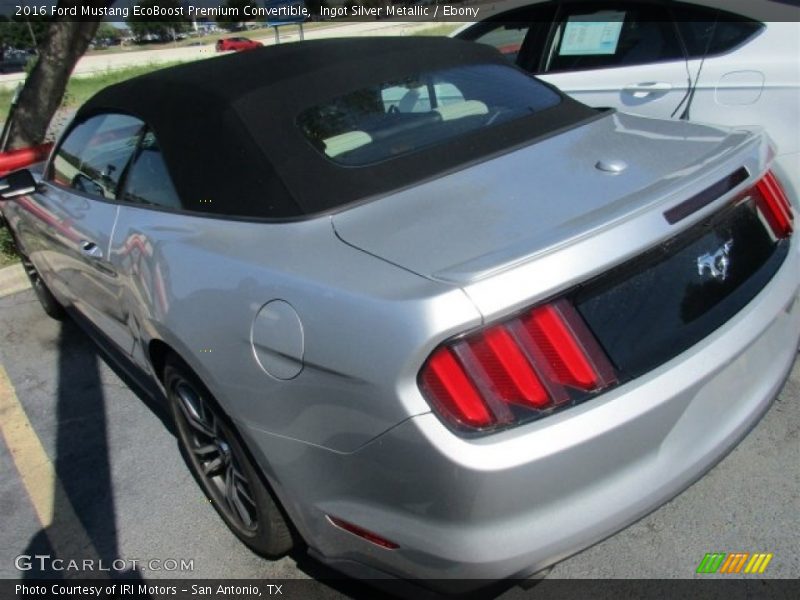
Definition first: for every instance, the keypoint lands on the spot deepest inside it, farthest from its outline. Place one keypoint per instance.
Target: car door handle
(644, 89)
(91, 249)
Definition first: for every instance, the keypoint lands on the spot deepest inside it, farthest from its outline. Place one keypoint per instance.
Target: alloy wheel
(215, 458)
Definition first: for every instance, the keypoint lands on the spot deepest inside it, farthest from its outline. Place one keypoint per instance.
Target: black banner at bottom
(310, 589)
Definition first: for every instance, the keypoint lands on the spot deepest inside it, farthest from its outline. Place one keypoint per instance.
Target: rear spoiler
(23, 157)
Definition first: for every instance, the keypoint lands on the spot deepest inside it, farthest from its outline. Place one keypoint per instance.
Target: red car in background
(237, 44)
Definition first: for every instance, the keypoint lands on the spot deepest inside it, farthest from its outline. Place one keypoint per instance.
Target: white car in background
(727, 62)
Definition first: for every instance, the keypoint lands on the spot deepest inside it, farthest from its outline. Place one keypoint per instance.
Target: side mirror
(16, 184)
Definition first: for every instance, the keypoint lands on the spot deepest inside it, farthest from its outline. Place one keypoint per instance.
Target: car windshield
(393, 118)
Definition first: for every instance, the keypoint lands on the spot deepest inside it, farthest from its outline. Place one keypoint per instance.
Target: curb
(13, 280)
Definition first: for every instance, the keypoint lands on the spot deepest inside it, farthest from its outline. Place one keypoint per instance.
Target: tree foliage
(108, 31)
(230, 22)
(58, 52)
(163, 28)
(314, 6)
(15, 32)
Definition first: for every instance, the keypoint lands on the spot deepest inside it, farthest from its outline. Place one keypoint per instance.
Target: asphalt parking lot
(98, 475)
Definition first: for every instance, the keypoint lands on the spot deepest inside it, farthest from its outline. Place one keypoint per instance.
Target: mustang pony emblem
(716, 263)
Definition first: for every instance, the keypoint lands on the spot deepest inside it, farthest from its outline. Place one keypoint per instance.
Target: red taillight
(528, 364)
(507, 369)
(774, 205)
(571, 366)
(449, 384)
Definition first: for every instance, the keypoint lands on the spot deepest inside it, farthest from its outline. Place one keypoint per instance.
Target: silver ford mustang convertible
(411, 306)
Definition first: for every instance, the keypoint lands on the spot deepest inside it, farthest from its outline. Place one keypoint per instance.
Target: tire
(49, 303)
(222, 467)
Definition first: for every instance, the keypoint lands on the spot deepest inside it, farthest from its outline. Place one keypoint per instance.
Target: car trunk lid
(481, 220)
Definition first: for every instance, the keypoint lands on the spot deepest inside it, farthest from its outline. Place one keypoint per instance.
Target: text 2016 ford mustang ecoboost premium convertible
(413, 307)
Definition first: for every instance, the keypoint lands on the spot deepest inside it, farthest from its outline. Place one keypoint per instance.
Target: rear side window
(519, 34)
(93, 156)
(395, 118)
(599, 35)
(507, 38)
(148, 181)
(707, 32)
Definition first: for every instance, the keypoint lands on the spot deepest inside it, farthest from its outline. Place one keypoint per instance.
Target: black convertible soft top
(228, 129)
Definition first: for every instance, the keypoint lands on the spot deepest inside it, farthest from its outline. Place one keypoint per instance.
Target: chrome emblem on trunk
(716, 263)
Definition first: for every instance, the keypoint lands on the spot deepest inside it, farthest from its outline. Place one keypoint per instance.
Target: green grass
(6, 95)
(442, 30)
(81, 88)
(8, 255)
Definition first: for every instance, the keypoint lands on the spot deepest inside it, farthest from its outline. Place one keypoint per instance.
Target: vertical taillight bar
(533, 362)
(774, 205)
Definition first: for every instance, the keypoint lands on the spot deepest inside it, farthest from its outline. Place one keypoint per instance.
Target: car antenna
(690, 96)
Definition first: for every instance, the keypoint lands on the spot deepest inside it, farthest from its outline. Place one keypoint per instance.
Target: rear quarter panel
(198, 283)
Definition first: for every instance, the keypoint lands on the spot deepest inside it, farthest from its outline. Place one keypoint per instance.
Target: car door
(616, 54)
(746, 73)
(147, 196)
(78, 195)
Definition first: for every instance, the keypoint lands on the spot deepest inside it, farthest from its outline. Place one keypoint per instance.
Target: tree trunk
(45, 85)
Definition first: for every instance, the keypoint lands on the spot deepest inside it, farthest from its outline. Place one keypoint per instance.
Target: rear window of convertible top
(393, 118)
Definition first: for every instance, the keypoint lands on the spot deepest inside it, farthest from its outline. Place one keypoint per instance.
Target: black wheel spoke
(234, 500)
(205, 450)
(208, 417)
(214, 467)
(241, 483)
(187, 403)
(244, 493)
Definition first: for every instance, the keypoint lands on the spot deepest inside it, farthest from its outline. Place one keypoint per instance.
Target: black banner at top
(278, 12)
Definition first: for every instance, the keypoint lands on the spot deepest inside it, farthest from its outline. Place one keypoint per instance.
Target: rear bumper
(516, 502)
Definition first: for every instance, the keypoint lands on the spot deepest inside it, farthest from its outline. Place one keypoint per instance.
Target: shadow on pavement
(83, 513)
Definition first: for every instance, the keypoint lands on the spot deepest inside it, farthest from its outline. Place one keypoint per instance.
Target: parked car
(727, 63)
(14, 64)
(237, 44)
(427, 315)
(13, 60)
